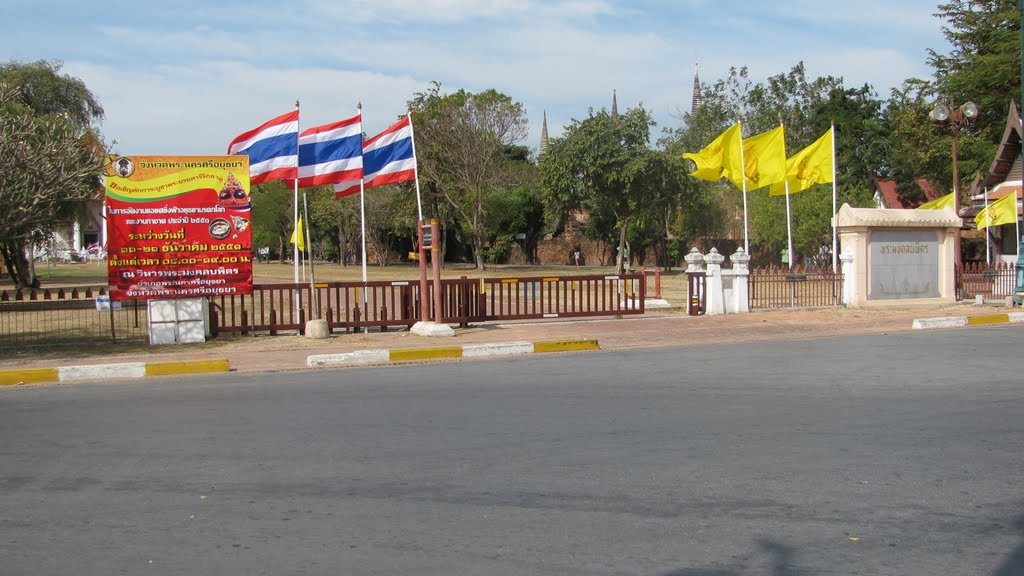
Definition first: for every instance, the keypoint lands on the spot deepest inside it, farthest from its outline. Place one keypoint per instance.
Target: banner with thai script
(178, 226)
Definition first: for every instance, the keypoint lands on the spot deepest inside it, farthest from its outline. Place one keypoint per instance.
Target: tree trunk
(478, 249)
(18, 267)
(9, 264)
(620, 261)
(34, 280)
(444, 242)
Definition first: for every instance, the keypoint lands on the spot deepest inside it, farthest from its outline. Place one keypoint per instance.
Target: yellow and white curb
(110, 371)
(958, 321)
(368, 357)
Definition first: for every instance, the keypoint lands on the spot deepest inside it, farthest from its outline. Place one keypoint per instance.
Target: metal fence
(56, 317)
(797, 287)
(988, 280)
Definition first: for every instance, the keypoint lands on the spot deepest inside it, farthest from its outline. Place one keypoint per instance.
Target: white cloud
(198, 110)
(186, 78)
(422, 10)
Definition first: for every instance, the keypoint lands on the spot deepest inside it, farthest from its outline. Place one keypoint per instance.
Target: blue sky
(186, 76)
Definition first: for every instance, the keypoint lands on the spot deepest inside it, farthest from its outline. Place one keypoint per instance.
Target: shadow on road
(1014, 563)
(781, 562)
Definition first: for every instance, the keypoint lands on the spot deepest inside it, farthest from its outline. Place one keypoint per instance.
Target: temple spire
(615, 104)
(697, 100)
(544, 136)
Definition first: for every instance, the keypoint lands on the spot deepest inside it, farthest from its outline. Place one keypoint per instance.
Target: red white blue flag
(388, 158)
(272, 149)
(331, 153)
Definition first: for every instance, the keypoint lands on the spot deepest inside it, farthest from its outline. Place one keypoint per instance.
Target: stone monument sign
(891, 256)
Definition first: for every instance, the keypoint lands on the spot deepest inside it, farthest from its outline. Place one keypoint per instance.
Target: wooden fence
(354, 306)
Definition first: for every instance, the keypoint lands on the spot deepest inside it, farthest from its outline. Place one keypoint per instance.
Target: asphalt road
(891, 455)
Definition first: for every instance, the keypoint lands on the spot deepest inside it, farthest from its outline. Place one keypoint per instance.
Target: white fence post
(849, 278)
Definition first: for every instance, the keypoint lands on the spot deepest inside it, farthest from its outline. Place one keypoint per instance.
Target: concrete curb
(367, 357)
(110, 371)
(958, 321)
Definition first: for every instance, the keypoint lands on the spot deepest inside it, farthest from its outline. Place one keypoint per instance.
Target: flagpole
(295, 208)
(1017, 220)
(835, 196)
(415, 166)
(789, 226)
(743, 170)
(988, 251)
(314, 301)
(362, 211)
(789, 215)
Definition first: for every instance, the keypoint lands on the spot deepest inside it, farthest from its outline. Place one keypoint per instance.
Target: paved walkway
(657, 328)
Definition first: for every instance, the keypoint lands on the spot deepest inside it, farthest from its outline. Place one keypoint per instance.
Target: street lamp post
(956, 118)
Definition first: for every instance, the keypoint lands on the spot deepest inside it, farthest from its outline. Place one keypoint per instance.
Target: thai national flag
(387, 158)
(272, 148)
(331, 153)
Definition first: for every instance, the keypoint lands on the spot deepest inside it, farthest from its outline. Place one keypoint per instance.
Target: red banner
(178, 227)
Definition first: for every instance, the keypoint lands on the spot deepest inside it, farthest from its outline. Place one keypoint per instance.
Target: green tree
(983, 64)
(51, 157)
(389, 216)
(273, 219)
(462, 147)
(604, 163)
(806, 107)
(511, 213)
(337, 224)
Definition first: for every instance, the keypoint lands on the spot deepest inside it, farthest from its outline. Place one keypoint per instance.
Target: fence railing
(553, 297)
(67, 317)
(988, 280)
(353, 306)
(797, 287)
(346, 306)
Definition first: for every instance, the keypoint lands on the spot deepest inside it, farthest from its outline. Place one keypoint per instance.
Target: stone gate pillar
(715, 296)
(737, 298)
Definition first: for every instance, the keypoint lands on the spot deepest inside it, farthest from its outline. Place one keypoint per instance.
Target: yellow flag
(1002, 211)
(764, 159)
(939, 203)
(720, 158)
(810, 166)
(299, 237)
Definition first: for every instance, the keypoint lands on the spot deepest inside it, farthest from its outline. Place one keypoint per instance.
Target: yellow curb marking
(404, 354)
(195, 367)
(11, 377)
(990, 319)
(565, 345)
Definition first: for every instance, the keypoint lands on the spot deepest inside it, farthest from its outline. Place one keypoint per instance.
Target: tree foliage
(51, 157)
(464, 142)
(515, 218)
(984, 62)
(605, 164)
(273, 217)
(806, 107)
